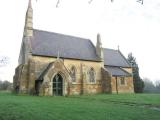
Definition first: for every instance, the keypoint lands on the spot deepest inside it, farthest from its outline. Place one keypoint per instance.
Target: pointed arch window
(92, 76)
(73, 73)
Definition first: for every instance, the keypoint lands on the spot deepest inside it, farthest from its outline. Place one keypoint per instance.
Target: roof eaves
(67, 58)
(129, 74)
(118, 66)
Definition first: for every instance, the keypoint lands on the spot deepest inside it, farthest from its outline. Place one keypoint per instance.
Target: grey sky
(132, 26)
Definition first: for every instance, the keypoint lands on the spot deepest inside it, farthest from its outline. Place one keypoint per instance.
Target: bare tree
(150, 87)
(58, 1)
(157, 83)
(4, 61)
(140, 1)
(90, 1)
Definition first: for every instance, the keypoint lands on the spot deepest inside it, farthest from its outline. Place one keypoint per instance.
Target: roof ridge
(61, 34)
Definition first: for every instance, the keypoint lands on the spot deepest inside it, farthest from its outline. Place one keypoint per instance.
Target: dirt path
(143, 105)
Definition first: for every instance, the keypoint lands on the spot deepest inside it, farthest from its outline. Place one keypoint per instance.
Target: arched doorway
(38, 84)
(57, 85)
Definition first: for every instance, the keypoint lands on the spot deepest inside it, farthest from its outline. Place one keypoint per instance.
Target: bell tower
(25, 51)
(28, 29)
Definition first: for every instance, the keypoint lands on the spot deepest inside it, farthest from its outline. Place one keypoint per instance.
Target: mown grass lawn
(95, 107)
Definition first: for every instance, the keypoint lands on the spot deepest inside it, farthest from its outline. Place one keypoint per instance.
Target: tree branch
(3, 61)
(140, 1)
(58, 1)
(90, 1)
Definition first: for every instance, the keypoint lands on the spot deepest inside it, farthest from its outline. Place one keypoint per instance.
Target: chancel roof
(117, 71)
(114, 58)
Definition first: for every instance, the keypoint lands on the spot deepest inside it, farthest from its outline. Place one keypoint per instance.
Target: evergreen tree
(138, 82)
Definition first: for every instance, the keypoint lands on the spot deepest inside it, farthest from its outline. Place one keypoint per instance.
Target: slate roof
(49, 44)
(117, 71)
(114, 58)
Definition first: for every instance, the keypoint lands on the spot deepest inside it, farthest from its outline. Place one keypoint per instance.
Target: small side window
(122, 81)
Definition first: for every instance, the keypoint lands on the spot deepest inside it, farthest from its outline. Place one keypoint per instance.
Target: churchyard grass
(88, 107)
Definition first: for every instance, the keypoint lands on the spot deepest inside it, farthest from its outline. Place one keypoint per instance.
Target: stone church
(53, 64)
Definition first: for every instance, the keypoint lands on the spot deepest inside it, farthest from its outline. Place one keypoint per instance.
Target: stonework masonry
(26, 76)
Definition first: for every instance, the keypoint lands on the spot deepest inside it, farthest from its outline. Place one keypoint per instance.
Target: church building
(53, 64)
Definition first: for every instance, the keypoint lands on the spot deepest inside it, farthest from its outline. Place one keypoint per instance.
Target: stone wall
(20, 80)
(26, 75)
(126, 88)
(82, 85)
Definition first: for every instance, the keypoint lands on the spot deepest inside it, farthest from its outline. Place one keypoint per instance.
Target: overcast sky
(127, 23)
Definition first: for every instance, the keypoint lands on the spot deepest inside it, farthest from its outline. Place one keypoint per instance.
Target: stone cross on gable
(58, 55)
